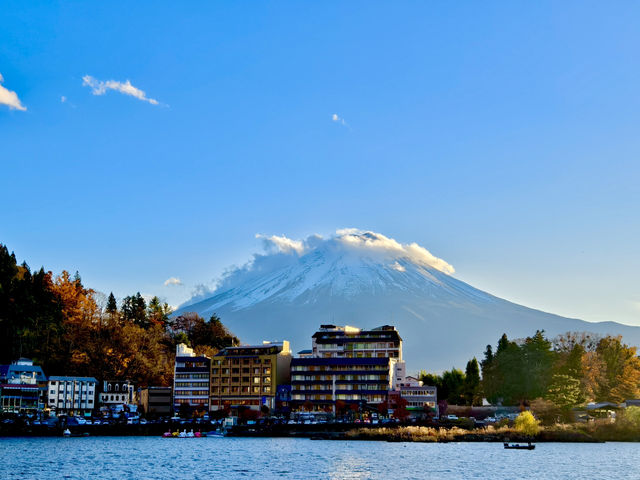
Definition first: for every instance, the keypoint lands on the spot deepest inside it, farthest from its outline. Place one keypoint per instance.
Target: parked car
(452, 417)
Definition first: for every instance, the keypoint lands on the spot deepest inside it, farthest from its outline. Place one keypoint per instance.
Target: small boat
(215, 434)
(66, 433)
(517, 446)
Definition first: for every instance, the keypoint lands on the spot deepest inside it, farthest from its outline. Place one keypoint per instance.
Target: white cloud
(281, 244)
(338, 119)
(396, 266)
(282, 252)
(99, 87)
(363, 240)
(63, 99)
(388, 247)
(172, 281)
(10, 98)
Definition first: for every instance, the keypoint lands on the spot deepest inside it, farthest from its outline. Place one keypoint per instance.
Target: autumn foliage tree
(70, 329)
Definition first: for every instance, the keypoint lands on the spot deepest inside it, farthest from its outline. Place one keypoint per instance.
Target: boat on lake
(518, 446)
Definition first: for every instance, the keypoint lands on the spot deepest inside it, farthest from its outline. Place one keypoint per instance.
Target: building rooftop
(261, 349)
(16, 369)
(71, 379)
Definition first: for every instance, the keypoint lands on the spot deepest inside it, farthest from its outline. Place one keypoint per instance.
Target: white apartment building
(191, 380)
(332, 341)
(71, 394)
(117, 392)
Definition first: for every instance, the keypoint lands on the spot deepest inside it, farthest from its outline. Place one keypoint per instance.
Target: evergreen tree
(472, 383)
(134, 309)
(112, 306)
(503, 344)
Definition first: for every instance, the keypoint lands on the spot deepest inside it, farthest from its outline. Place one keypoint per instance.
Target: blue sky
(502, 136)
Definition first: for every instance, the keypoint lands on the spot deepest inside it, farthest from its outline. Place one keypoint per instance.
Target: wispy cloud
(10, 98)
(281, 244)
(283, 252)
(338, 119)
(99, 87)
(172, 281)
(63, 99)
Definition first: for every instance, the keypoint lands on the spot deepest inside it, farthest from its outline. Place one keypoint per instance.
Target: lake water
(265, 458)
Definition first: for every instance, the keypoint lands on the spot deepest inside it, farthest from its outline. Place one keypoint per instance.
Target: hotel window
(214, 371)
(256, 379)
(234, 389)
(224, 390)
(225, 371)
(245, 379)
(235, 371)
(266, 389)
(256, 389)
(266, 379)
(256, 371)
(246, 371)
(245, 389)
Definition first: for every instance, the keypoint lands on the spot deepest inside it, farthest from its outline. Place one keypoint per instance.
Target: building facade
(156, 401)
(249, 375)
(72, 394)
(420, 398)
(332, 341)
(23, 387)
(321, 382)
(117, 392)
(191, 381)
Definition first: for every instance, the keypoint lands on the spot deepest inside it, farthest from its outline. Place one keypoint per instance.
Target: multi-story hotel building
(72, 394)
(332, 341)
(191, 380)
(323, 381)
(248, 375)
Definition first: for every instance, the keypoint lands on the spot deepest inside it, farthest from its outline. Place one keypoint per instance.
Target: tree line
(570, 370)
(70, 329)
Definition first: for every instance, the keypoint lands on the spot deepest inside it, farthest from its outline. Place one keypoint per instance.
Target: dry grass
(556, 433)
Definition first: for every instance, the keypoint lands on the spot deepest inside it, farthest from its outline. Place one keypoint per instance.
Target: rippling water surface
(231, 458)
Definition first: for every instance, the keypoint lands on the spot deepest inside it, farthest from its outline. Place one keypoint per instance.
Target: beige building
(248, 375)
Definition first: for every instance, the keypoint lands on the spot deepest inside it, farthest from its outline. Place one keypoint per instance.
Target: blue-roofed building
(72, 395)
(22, 386)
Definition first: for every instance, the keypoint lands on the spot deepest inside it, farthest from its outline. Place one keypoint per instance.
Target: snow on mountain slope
(366, 279)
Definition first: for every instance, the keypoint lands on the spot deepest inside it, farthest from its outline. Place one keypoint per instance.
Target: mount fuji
(366, 279)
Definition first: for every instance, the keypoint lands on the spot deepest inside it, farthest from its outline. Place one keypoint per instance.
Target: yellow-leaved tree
(527, 424)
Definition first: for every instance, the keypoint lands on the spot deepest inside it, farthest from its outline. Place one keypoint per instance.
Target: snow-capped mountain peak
(366, 279)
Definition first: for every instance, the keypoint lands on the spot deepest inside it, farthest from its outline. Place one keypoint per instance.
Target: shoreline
(421, 434)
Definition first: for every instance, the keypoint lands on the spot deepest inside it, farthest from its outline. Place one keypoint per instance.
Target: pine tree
(112, 306)
(472, 383)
